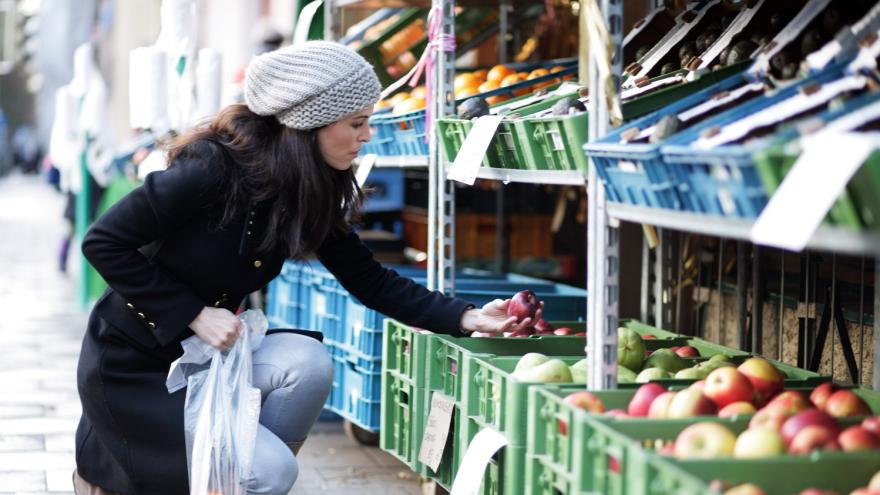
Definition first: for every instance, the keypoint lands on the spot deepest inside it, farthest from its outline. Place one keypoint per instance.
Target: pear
(552, 371)
(625, 375)
(651, 374)
(530, 360)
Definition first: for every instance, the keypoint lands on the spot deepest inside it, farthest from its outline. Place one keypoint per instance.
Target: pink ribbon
(437, 41)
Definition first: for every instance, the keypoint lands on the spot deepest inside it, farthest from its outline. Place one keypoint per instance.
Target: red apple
(617, 413)
(790, 402)
(668, 449)
(705, 440)
(690, 402)
(727, 385)
(845, 403)
(860, 491)
(524, 304)
(642, 399)
(586, 401)
(745, 489)
(660, 405)
(810, 417)
(819, 395)
(675, 348)
(736, 408)
(699, 384)
(817, 491)
(541, 326)
(581, 334)
(687, 351)
(761, 442)
(858, 438)
(769, 418)
(648, 337)
(563, 331)
(872, 424)
(813, 437)
(766, 379)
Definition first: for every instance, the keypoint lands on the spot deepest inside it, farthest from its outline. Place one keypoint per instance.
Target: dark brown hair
(267, 162)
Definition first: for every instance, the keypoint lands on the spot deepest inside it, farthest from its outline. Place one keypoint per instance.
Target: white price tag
(365, 165)
(436, 431)
(827, 163)
(473, 466)
(467, 163)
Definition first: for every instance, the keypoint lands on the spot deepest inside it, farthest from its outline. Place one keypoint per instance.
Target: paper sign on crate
(436, 431)
(467, 163)
(827, 163)
(473, 466)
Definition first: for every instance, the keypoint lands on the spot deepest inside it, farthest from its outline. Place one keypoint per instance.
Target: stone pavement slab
(41, 330)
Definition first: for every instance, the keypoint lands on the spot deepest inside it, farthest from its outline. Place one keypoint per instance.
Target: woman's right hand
(218, 327)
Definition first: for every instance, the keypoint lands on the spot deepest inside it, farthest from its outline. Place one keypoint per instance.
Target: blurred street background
(71, 137)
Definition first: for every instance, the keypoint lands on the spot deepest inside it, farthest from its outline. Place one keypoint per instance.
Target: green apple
(630, 349)
(530, 360)
(552, 371)
(666, 359)
(579, 371)
(651, 374)
(692, 373)
(625, 375)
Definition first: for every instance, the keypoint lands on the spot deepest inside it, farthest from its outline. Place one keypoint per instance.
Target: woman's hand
(492, 319)
(218, 327)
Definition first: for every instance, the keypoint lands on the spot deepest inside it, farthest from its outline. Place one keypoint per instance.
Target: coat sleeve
(166, 201)
(385, 291)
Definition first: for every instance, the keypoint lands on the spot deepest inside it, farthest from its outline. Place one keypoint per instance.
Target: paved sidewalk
(40, 332)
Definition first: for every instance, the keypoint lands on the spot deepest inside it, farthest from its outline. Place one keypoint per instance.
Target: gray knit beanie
(311, 84)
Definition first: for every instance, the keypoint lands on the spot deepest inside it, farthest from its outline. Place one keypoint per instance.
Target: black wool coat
(164, 260)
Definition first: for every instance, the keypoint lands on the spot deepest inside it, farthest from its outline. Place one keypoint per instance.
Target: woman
(260, 183)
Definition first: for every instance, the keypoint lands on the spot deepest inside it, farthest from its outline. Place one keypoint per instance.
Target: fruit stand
(691, 126)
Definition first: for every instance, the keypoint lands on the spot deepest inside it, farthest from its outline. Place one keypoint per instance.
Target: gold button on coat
(258, 263)
(141, 316)
(130, 305)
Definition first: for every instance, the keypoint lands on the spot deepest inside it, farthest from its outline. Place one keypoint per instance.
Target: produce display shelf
(557, 177)
(841, 240)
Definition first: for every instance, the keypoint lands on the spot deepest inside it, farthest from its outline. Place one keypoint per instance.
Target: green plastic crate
(506, 150)
(506, 473)
(402, 417)
(403, 351)
(621, 459)
(709, 349)
(556, 143)
(452, 453)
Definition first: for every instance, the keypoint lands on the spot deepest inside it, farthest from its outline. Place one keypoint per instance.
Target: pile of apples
(872, 488)
(525, 304)
(638, 365)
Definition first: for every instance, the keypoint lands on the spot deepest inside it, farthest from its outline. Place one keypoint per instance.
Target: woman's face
(341, 141)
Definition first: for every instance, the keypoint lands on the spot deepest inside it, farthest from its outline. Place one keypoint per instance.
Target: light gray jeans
(294, 374)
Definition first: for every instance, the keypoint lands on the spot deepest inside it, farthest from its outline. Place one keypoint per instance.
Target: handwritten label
(365, 165)
(827, 163)
(476, 458)
(467, 163)
(436, 431)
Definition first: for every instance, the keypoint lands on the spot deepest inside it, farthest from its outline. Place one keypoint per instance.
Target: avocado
(705, 40)
(668, 67)
(666, 127)
(742, 50)
(642, 51)
(473, 108)
(686, 51)
(568, 106)
(812, 40)
(722, 57)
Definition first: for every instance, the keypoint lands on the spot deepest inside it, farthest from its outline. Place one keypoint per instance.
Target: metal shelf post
(602, 237)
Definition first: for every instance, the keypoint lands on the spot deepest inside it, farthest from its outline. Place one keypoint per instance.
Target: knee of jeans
(275, 476)
(306, 359)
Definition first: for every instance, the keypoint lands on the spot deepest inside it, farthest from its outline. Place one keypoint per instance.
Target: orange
(540, 72)
(497, 99)
(489, 86)
(498, 73)
(465, 80)
(523, 75)
(514, 79)
(419, 92)
(481, 74)
(408, 105)
(399, 97)
(558, 68)
(465, 92)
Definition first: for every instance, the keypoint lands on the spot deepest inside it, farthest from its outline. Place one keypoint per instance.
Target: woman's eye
(358, 125)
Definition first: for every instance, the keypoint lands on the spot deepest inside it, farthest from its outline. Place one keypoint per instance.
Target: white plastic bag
(222, 409)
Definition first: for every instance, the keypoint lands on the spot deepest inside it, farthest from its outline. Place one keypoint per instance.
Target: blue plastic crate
(335, 401)
(328, 301)
(634, 173)
(289, 297)
(725, 180)
(387, 190)
(362, 396)
(382, 141)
